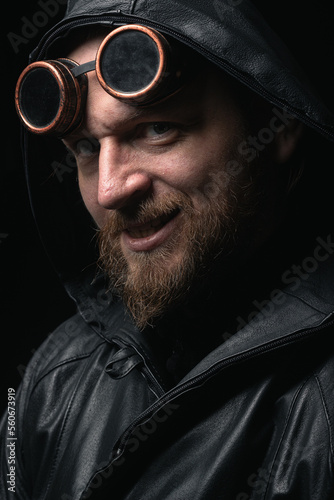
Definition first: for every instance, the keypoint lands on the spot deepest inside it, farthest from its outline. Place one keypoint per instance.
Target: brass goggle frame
(134, 64)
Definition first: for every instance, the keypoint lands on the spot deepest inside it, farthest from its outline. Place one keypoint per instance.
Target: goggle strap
(83, 68)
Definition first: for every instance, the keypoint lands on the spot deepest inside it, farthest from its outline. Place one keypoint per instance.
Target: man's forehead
(86, 49)
(192, 102)
(191, 93)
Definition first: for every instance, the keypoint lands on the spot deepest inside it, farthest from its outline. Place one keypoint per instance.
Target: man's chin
(152, 284)
(160, 260)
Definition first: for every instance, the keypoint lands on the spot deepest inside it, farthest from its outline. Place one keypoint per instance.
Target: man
(200, 363)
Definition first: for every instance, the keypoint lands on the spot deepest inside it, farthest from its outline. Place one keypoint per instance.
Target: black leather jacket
(95, 417)
(253, 420)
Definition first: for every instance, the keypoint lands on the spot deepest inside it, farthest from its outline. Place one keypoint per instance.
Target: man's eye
(157, 129)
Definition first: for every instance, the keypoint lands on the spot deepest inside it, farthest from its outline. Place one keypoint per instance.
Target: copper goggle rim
(159, 41)
(64, 93)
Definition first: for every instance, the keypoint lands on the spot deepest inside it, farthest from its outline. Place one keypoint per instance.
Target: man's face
(166, 186)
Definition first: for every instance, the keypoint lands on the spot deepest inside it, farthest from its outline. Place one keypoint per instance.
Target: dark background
(32, 299)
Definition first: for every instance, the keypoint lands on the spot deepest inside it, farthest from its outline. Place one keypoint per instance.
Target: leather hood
(234, 35)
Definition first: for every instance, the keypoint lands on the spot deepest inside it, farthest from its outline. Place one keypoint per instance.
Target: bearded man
(177, 214)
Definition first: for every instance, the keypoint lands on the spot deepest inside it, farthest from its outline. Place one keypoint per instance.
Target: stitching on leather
(328, 417)
(304, 301)
(154, 369)
(64, 424)
(156, 396)
(62, 363)
(293, 402)
(68, 410)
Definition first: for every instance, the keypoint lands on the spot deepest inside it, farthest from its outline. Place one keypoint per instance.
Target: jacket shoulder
(72, 339)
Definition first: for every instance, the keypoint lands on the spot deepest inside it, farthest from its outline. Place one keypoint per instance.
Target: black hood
(232, 34)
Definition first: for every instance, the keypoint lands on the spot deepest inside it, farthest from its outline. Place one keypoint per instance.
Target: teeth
(146, 229)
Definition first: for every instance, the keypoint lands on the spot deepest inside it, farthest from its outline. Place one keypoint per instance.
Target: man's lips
(143, 230)
(146, 236)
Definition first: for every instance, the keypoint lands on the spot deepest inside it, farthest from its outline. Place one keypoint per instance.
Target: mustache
(146, 211)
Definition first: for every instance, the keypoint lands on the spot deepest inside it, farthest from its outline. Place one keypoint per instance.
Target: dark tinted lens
(130, 61)
(39, 97)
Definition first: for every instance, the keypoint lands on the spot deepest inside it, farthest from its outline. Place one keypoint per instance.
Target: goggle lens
(39, 97)
(134, 63)
(129, 62)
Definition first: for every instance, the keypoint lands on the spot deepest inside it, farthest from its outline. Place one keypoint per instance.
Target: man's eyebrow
(171, 108)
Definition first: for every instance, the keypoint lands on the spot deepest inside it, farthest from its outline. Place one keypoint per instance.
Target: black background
(33, 301)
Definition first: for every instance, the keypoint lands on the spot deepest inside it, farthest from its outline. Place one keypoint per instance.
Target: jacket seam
(327, 414)
(62, 363)
(304, 301)
(155, 371)
(295, 398)
(64, 424)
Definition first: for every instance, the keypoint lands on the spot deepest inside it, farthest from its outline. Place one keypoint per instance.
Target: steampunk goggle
(134, 64)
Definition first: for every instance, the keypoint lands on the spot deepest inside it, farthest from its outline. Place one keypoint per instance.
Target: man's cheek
(186, 169)
(214, 185)
(99, 214)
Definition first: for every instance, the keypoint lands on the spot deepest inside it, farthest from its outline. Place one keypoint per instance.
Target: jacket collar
(301, 309)
(303, 306)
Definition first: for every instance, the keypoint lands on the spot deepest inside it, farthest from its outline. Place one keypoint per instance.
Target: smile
(151, 227)
(149, 235)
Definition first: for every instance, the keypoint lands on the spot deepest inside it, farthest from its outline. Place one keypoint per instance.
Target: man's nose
(122, 178)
